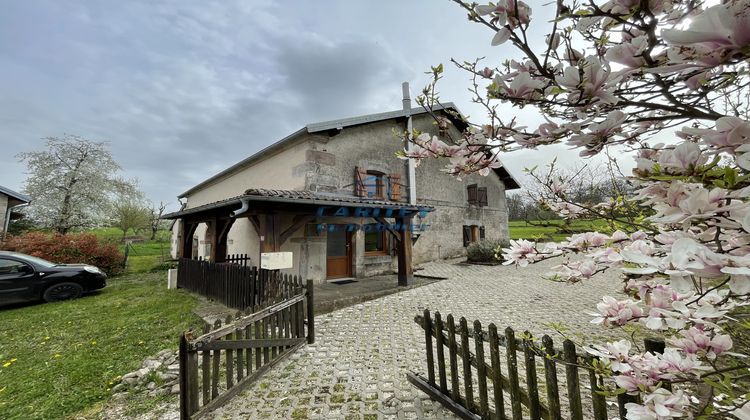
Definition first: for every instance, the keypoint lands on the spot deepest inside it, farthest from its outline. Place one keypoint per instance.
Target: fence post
(428, 346)
(310, 313)
(184, 400)
(571, 374)
(188, 380)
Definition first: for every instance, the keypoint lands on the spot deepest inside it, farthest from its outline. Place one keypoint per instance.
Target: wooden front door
(339, 253)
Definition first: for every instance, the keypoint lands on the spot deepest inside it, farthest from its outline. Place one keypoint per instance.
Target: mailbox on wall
(276, 260)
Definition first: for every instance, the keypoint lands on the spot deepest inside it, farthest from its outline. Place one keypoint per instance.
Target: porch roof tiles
(260, 195)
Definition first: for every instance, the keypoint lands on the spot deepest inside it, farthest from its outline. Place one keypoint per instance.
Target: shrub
(80, 248)
(164, 266)
(484, 251)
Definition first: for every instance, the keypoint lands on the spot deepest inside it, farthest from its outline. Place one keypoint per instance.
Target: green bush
(76, 248)
(484, 251)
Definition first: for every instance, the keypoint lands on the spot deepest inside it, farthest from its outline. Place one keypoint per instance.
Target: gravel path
(357, 367)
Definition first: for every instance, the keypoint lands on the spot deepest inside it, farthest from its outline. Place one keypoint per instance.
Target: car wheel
(63, 291)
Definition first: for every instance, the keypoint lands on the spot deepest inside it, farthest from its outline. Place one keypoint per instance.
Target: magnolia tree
(614, 74)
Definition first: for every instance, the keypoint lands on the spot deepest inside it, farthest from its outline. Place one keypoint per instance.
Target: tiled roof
(302, 197)
(313, 196)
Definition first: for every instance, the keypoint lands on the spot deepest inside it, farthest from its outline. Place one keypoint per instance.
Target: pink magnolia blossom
(523, 86)
(576, 270)
(629, 53)
(616, 353)
(682, 158)
(619, 236)
(729, 134)
(596, 83)
(740, 279)
(699, 341)
(505, 11)
(715, 34)
(586, 240)
(599, 133)
(519, 253)
(658, 405)
(614, 312)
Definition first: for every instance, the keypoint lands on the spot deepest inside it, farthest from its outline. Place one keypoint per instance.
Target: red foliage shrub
(81, 248)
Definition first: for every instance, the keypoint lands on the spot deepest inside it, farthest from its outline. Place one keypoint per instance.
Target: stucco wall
(449, 196)
(374, 147)
(277, 172)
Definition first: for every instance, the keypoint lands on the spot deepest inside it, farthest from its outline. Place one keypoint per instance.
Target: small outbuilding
(9, 199)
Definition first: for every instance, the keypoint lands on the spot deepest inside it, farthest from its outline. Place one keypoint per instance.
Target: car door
(16, 280)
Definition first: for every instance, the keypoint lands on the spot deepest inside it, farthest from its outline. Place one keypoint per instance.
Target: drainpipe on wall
(411, 169)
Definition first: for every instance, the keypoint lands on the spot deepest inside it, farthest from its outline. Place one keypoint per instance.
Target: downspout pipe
(410, 165)
(245, 207)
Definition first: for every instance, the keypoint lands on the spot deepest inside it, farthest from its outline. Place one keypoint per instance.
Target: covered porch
(317, 222)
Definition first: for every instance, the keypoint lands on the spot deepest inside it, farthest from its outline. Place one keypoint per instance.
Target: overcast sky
(183, 89)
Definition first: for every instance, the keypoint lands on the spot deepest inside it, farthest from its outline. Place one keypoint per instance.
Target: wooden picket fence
(240, 259)
(228, 357)
(498, 387)
(233, 284)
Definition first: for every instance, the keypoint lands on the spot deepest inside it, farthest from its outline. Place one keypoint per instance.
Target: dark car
(24, 278)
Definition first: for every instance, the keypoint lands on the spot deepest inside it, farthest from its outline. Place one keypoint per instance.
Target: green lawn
(520, 229)
(142, 256)
(59, 359)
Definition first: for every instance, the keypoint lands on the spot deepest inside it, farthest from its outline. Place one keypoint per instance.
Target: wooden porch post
(405, 271)
(270, 231)
(212, 238)
(186, 245)
(219, 251)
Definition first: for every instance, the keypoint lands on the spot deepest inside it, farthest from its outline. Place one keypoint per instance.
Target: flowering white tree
(616, 73)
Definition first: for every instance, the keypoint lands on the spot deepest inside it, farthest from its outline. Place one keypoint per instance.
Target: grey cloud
(182, 89)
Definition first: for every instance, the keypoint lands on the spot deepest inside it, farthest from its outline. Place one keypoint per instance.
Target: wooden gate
(476, 386)
(226, 358)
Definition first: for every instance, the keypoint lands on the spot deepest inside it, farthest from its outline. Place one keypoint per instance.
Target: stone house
(8, 200)
(327, 190)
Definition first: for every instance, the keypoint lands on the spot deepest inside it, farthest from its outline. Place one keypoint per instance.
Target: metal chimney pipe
(410, 167)
(407, 98)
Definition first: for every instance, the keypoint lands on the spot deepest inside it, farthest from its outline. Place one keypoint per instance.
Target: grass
(59, 359)
(521, 229)
(142, 256)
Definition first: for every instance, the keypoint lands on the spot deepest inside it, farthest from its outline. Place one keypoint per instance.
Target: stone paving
(357, 367)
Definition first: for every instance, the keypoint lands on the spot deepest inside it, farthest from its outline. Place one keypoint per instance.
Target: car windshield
(39, 261)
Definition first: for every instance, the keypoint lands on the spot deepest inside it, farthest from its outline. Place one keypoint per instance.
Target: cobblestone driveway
(357, 367)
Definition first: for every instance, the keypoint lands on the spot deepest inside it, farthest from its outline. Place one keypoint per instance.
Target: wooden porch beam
(255, 222)
(219, 252)
(395, 235)
(297, 222)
